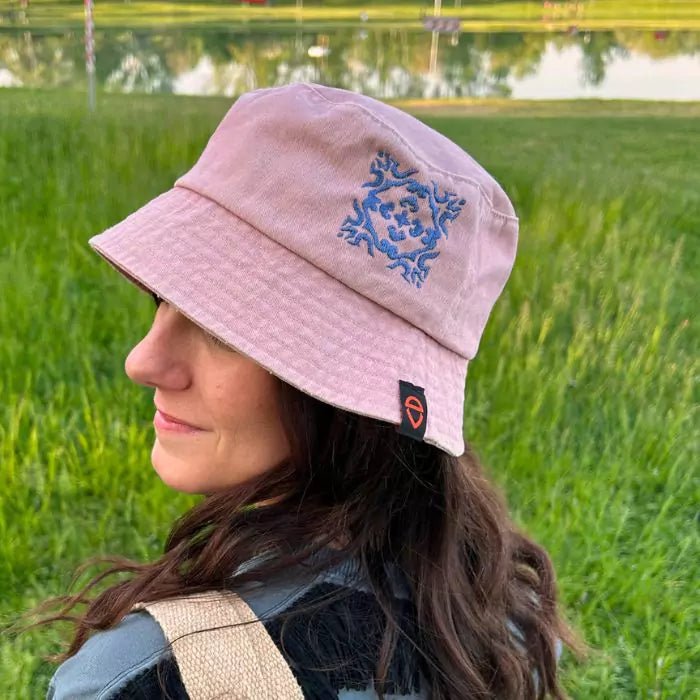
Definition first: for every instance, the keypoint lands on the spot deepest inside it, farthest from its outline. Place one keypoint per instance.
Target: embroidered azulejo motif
(402, 218)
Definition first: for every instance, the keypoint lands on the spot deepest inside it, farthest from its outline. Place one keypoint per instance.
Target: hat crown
(370, 195)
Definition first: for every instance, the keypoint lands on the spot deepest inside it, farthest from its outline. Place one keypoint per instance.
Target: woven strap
(235, 663)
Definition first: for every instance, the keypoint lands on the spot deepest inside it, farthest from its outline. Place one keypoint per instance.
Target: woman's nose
(157, 360)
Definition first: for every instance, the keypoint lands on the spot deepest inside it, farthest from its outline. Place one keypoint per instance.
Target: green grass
(475, 16)
(580, 402)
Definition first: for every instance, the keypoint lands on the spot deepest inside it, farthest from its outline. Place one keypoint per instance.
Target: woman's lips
(163, 421)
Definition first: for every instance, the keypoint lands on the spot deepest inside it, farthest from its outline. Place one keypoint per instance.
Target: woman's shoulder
(121, 662)
(342, 634)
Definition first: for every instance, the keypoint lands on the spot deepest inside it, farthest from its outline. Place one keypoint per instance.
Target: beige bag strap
(235, 663)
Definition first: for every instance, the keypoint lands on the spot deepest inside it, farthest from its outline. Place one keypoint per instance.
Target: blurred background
(607, 49)
(582, 401)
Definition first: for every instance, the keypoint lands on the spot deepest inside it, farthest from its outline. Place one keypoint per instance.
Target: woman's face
(228, 396)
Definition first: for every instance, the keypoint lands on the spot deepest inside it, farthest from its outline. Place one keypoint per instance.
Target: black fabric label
(414, 410)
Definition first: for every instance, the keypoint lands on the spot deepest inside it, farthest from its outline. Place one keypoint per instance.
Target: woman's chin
(177, 473)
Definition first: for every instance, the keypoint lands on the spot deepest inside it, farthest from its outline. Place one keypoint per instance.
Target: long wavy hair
(390, 500)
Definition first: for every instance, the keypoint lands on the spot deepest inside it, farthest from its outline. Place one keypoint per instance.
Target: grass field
(475, 15)
(581, 402)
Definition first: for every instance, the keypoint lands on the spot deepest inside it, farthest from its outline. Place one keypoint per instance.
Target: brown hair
(389, 499)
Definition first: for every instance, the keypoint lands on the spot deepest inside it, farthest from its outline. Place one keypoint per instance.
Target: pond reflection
(375, 60)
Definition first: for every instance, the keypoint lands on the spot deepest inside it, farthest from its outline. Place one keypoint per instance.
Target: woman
(322, 275)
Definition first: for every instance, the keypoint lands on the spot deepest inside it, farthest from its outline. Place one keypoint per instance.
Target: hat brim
(284, 313)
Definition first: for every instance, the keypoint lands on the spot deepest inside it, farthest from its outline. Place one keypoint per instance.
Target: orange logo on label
(414, 403)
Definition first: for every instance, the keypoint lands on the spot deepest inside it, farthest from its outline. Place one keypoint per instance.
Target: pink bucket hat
(340, 243)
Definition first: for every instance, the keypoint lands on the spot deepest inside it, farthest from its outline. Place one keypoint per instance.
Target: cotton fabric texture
(339, 242)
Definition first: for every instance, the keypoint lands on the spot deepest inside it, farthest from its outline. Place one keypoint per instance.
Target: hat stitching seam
(463, 178)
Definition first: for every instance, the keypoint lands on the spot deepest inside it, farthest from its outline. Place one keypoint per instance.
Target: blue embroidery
(402, 227)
